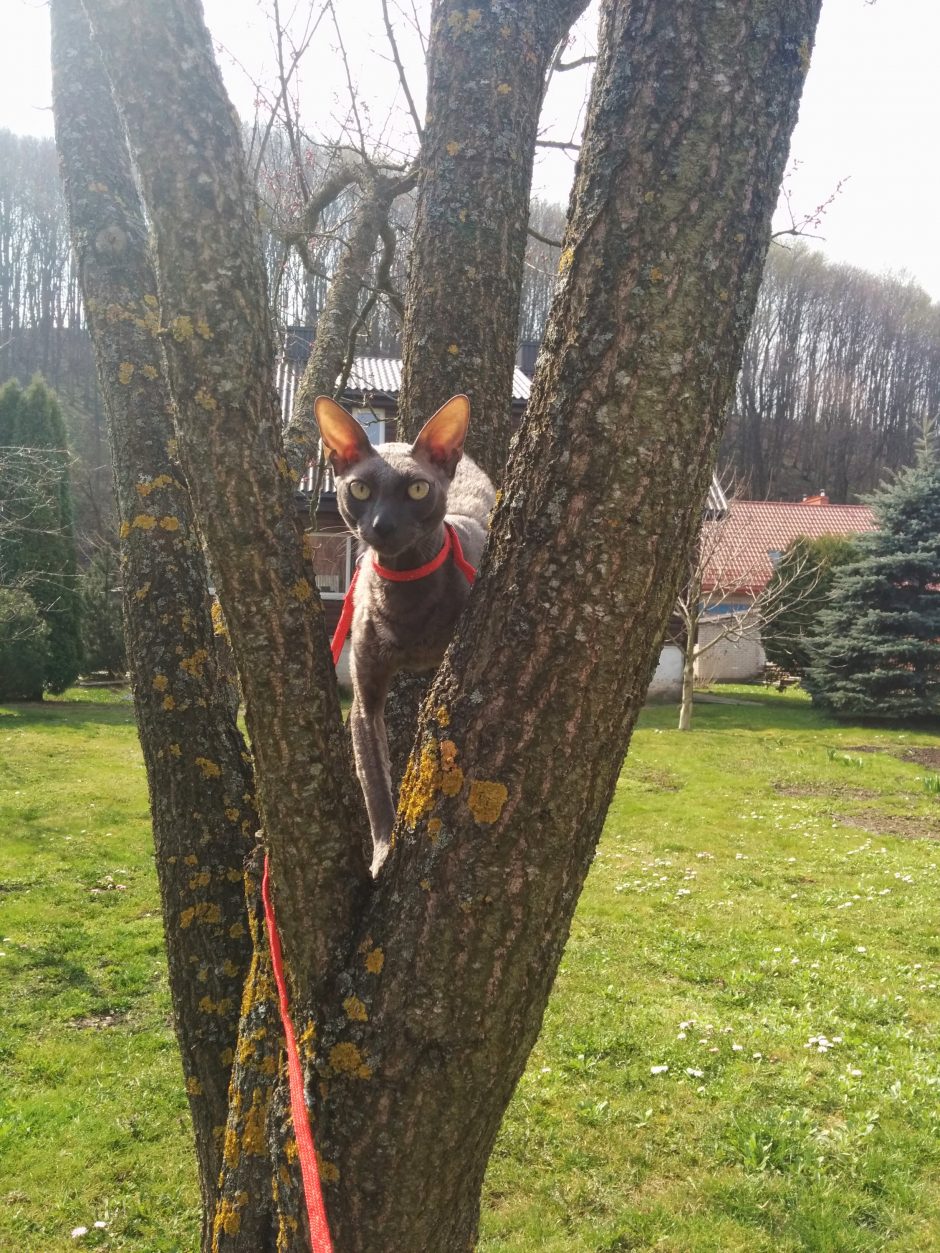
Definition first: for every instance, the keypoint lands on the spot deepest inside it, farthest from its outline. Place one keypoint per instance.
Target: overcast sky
(870, 113)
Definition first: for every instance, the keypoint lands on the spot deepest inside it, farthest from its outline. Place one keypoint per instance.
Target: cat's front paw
(379, 853)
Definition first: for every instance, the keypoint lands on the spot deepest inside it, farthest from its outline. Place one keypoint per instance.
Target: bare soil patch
(97, 1022)
(905, 827)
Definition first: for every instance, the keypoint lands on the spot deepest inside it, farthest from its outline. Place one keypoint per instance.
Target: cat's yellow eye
(419, 489)
(359, 490)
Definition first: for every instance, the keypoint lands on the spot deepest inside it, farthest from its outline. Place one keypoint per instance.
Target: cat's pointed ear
(344, 439)
(442, 436)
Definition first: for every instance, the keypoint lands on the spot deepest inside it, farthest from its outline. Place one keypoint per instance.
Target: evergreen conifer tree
(41, 556)
(876, 650)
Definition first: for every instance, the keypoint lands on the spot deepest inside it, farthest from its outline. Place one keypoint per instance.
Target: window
(332, 556)
(374, 422)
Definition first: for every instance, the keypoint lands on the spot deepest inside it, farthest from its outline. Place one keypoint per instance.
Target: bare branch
(557, 143)
(560, 66)
(543, 239)
(402, 77)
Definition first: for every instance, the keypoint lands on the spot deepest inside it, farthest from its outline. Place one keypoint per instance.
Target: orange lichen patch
(233, 816)
(226, 1057)
(205, 400)
(200, 880)
(253, 1134)
(231, 1150)
(151, 485)
(203, 912)
(169, 703)
(209, 768)
(193, 1086)
(202, 328)
(434, 829)
(227, 1217)
(453, 350)
(420, 785)
(307, 1037)
(160, 683)
(566, 260)
(503, 89)
(150, 372)
(291, 1151)
(170, 522)
(221, 1007)
(442, 716)
(486, 800)
(125, 372)
(329, 1171)
(268, 1065)
(144, 522)
(453, 148)
(346, 1059)
(142, 592)
(191, 859)
(451, 780)
(375, 961)
(176, 750)
(229, 968)
(124, 530)
(355, 1009)
(234, 875)
(425, 885)
(195, 664)
(656, 274)
(302, 590)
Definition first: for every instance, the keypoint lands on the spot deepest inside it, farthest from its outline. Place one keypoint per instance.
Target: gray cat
(405, 502)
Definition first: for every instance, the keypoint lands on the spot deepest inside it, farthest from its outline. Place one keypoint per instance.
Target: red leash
(320, 1241)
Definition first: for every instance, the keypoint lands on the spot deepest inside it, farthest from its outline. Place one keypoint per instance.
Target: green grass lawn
(741, 1052)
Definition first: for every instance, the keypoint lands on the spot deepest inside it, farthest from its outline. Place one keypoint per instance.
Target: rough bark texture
(200, 781)
(215, 326)
(687, 136)
(429, 992)
(486, 70)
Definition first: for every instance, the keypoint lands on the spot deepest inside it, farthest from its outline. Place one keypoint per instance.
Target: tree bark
(198, 770)
(686, 140)
(486, 72)
(216, 330)
(428, 993)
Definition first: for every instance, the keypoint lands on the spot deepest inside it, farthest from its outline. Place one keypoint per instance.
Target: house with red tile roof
(742, 550)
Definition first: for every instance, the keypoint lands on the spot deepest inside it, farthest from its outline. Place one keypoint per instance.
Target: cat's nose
(383, 525)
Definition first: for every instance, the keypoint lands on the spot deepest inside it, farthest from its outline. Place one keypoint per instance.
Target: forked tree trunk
(421, 999)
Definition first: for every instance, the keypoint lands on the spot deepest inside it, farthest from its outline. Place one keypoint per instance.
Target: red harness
(320, 1241)
(451, 545)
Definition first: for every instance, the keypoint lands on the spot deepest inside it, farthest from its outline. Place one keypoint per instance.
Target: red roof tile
(754, 529)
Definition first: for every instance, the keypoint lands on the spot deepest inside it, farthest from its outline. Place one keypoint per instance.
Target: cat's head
(393, 495)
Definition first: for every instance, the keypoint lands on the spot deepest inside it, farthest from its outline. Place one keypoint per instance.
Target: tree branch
(402, 77)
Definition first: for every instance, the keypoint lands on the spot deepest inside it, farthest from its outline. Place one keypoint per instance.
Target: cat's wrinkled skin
(396, 626)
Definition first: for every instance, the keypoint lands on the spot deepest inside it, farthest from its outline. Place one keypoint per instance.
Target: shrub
(24, 647)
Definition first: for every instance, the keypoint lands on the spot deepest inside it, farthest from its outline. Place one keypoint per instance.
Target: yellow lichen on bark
(302, 590)
(144, 522)
(227, 1217)
(346, 1059)
(160, 683)
(208, 768)
(195, 664)
(125, 372)
(486, 801)
(420, 784)
(355, 1009)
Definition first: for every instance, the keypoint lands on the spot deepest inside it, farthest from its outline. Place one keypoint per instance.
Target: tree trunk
(688, 681)
(198, 771)
(486, 72)
(422, 999)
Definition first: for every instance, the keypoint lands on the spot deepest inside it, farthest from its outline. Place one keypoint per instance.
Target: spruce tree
(876, 650)
(42, 555)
